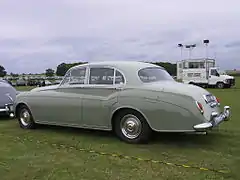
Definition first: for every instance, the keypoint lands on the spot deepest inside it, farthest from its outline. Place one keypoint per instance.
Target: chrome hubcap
(220, 85)
(131, 126)
(25, 117)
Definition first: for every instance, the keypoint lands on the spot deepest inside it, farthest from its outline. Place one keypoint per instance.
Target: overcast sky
(35, 35)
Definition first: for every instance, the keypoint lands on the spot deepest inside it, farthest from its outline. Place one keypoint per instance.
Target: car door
(100, 95)
(63, 105)
(213, 77)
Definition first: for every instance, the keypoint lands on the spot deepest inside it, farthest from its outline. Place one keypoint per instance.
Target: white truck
(204, 73)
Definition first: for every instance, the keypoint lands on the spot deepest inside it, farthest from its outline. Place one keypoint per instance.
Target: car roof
(121, 64)
(128, 68)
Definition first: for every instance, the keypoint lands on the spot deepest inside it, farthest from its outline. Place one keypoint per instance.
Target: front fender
(21, 98)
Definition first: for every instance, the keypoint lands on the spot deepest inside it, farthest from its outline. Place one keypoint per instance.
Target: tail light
(200, 107)
(218, 101)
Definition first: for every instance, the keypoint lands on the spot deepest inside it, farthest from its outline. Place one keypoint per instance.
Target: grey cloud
(42, 34)
(153, 43)
(235, 44)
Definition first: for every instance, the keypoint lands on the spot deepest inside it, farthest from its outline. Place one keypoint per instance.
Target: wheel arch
(220, 82)
(127, 108)
(18, 105)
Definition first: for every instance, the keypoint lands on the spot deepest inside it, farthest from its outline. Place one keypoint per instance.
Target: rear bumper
(8, 109)
(216, 119)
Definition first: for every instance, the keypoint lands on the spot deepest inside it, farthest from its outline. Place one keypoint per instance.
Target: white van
(202, 72)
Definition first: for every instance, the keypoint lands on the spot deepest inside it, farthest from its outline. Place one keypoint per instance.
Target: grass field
(61, 153)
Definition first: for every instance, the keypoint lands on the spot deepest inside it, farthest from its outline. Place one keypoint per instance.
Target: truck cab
(204, 73)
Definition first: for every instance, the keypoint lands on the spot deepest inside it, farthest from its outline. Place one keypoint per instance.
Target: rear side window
(153, 74)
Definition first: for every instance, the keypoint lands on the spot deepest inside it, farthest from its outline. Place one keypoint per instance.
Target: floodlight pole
(190, 47)
(206, 42)
(181, 48)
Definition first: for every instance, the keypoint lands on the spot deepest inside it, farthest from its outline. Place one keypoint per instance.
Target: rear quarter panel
(163, 111)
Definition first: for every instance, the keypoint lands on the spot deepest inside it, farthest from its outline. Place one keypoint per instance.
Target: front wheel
(131, 127)
(25, 118)
(220, 85)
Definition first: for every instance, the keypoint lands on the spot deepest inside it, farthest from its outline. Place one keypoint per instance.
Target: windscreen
(153, 74)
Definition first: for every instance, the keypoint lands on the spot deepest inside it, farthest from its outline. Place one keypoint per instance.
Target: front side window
(75, 76)
(78, 76)
(101, 76)
(214, 72)
(153, 74)
(66, 78)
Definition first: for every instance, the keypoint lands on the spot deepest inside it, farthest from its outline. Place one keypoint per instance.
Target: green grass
(23, 157)
(24, 88)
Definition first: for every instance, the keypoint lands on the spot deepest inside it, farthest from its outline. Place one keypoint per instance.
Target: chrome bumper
(215, 120)
(8, 110)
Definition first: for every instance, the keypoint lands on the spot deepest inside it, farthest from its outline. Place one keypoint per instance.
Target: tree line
(64, 67)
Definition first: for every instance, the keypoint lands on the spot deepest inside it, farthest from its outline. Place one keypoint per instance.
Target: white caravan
(203, 72)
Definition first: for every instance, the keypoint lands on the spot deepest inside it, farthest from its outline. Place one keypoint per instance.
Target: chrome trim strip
(8, 109)
(8, 95)
(203, 126)
(3, 110)
(201, 110)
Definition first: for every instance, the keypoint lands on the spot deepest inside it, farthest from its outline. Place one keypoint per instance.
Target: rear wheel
(25, 118)
(131, 127)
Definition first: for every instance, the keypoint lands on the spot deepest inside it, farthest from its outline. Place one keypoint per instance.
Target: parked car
(48, 83)
(7, 98)
(21, 82)
(56, 82)
(32, 82)
(131, 98)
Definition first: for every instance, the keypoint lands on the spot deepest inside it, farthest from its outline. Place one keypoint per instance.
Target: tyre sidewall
(220, 85)
(30, 125)
(143, 137)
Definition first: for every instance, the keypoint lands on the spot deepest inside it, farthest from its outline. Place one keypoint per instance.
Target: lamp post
(206, 42)
(190, 47)
(181, 48)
